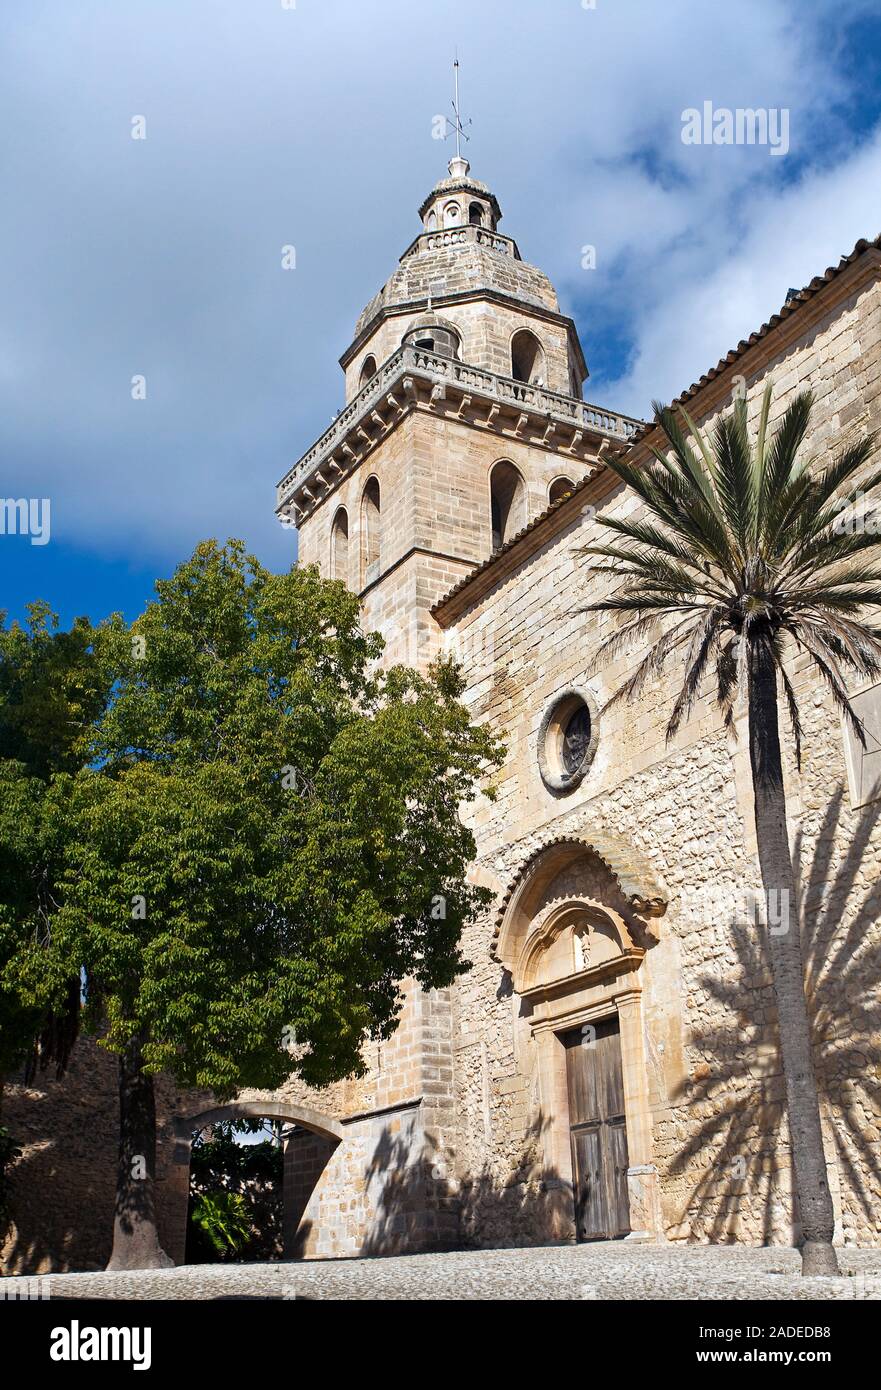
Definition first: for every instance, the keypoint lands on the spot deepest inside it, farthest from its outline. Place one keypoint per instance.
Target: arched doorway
(308, 1138)
(574, 933)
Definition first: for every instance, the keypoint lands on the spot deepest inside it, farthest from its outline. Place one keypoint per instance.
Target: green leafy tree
(219, 1162)
(745, 551)
(53, 686)
(265, 842)
(223, 1220)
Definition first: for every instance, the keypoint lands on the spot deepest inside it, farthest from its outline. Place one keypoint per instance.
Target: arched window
(527, 358)
(339, 546)
(507, 503)
(431, 221)
(368, 368)
(560, 487)
(452, 214)
(475, 215)
(370, 532)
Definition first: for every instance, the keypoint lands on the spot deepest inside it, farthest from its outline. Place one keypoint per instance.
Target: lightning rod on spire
(456, 124)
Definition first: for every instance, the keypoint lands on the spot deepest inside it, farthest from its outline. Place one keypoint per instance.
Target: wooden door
(598, 1133)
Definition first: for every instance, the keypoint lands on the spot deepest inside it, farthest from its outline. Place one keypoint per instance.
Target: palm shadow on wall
(422, 1206)
(741, 1146)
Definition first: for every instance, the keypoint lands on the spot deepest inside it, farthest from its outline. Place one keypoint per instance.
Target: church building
(608, 1068)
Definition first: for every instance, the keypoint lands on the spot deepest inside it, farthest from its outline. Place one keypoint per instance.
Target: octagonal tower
(464, 419)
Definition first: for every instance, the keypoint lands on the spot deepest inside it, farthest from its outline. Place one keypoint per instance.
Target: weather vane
(456, 124)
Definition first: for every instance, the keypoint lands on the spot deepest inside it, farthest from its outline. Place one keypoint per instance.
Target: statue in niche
(581, 939)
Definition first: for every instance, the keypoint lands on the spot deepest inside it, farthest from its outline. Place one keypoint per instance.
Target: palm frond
(705, 639)
(734, 477)
(741, 549)
(826, 663)
(654, 662)
(781, 463)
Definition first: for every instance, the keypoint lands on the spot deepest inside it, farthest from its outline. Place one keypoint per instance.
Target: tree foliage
(220, 1162)
(266, 838)
(53, 686)
(744, 546)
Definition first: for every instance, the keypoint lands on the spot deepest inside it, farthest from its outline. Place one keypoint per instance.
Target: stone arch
(371, 531)
(573, 932)
(528, 358)
(299, 1181)
(452, 214)
(339, 546)
(434, 334)
(560, 488)
(368, 369)
(573, 918)
(623, 885)
(507, 493)
(187, 1125)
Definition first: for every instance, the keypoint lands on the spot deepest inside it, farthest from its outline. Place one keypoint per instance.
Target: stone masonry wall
(720, 1139)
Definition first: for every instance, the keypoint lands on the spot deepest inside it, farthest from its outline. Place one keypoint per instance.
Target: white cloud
(704, 303)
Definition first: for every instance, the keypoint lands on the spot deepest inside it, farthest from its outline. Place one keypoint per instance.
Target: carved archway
(620, 882)
(573, 931)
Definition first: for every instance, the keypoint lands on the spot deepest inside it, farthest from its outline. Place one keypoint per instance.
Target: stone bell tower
(464, 420)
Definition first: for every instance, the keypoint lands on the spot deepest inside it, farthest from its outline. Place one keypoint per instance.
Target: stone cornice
(467, 562)
(534, 307)
(413, 379)
(627, 962)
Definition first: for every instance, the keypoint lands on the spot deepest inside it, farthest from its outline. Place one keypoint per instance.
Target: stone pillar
(642, 1175)
(175, 1194)
(306, 1156)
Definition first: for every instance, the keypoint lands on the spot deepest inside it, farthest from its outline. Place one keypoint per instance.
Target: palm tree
(742, 550)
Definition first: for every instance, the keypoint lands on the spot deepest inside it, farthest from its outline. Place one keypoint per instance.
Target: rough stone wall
(63, 1186)
(720, 1140)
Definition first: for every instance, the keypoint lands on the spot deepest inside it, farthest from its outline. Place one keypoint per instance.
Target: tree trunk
(784, 943)
(135, 1236)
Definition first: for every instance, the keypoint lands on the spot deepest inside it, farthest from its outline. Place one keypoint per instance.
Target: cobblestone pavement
(607, 1271)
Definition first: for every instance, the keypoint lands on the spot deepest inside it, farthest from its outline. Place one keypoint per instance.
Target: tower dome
(499, 312)
(460, 200)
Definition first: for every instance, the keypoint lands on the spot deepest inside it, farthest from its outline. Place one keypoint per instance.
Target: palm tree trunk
(135, 1234)
(784, 942)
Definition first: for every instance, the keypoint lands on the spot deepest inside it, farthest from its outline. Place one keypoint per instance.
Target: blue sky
(269, 126)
